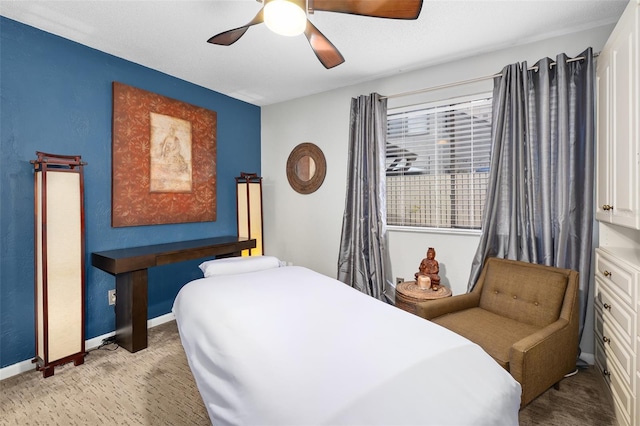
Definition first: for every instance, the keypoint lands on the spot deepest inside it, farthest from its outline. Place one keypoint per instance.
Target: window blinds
(437, 164)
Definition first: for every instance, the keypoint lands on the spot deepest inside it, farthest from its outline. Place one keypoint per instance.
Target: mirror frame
(311, 185)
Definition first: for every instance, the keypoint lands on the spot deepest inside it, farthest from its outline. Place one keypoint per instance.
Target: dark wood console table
(130, 269)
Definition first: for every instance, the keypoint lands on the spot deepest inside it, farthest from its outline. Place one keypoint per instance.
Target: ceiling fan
(289, 17)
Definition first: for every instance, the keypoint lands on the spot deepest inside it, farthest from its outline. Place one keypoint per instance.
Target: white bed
(289, 346)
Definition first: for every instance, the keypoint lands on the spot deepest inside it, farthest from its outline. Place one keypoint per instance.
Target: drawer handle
(606, 372)
(607, 207)
(606, 273)
(606, 339)
(607, 306)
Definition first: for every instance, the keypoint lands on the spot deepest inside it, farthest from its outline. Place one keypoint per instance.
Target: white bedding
(289, 346)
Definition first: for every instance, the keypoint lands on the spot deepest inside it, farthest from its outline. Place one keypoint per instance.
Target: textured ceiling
(263, 68)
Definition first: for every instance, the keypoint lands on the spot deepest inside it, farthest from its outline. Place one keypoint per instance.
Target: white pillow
(238, 265)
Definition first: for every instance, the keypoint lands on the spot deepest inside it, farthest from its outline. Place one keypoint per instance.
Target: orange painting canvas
(164, 160)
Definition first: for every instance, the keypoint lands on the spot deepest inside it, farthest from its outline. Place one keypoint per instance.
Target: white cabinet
(637, 389)
(617, 271)
(617, 276)
(618, 113)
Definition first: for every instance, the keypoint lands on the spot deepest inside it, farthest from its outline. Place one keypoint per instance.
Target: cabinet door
(603, 153)
(623, 141)
(618, 162)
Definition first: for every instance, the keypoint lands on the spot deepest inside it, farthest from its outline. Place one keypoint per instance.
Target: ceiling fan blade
(322, 47)
(229, 37)
(394, 9)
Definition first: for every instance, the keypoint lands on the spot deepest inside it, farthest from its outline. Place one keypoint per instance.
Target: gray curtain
(539, 205)
(363, 259)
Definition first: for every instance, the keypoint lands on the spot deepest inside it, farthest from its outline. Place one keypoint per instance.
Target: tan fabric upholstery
(473, 324)
(515, 292)
(524, 315)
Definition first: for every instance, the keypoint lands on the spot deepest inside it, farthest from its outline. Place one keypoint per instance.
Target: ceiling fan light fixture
(285, 17)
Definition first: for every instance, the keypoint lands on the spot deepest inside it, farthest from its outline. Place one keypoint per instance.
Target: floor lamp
(249, 203)
(59, 260)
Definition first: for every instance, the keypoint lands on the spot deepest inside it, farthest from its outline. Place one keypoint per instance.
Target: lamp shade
(249, 205)
(285, 17)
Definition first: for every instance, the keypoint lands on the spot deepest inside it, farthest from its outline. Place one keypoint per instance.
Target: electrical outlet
(111, 294)
(399, 280)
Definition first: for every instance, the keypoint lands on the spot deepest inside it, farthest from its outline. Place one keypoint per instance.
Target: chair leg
(557, 386)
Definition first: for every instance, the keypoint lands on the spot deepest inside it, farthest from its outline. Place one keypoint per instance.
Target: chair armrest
(542, 359)
(436, 308)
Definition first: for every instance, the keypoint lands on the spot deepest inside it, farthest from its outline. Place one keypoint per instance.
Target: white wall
(305, 229)
(454, 253)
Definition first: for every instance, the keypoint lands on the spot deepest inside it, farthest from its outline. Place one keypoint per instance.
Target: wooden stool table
(408, 294)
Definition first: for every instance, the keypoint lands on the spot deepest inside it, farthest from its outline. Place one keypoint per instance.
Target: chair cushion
(526, 293)
(481, 326)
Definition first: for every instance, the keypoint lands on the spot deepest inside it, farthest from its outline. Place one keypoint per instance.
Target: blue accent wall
(55, 97)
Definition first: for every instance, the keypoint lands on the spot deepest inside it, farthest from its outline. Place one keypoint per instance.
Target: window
(437, 163)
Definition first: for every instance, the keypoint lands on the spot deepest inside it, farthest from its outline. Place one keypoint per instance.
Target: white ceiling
(263, 68)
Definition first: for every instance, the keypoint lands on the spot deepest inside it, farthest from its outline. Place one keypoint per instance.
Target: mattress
(289, 346)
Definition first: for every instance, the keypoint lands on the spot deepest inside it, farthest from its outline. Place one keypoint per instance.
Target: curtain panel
(539, 204)
(363, 261)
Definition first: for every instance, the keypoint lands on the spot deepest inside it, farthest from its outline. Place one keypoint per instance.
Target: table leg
(131, 310)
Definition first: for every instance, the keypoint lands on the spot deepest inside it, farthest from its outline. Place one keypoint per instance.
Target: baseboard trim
(154, 322)
(27, 365)
(588, 358)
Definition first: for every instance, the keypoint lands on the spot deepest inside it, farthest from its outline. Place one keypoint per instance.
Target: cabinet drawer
(616, 351)
(638, 373)
(616, 313)
(638, 370)
(622, 397)
(637, 407)
(617, 276)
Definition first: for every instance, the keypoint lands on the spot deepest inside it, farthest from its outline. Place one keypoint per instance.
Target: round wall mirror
(306, 168)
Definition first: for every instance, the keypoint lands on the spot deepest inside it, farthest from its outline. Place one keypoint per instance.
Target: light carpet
(155, 387)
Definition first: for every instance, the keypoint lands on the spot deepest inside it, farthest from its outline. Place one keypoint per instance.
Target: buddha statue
(429, 267)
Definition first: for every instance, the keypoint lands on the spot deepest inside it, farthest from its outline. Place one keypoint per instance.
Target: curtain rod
(473, 80)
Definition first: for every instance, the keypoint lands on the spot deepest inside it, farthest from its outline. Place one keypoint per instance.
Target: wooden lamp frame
(249, 211)
(59, 263)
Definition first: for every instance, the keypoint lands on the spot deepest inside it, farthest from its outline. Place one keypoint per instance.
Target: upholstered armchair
(524, 315)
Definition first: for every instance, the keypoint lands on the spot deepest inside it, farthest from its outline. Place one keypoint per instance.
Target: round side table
(408, 294)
